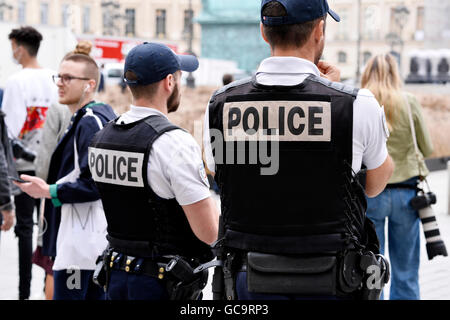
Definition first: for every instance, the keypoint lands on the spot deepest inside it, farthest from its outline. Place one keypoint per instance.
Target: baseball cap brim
(334, 15)
(188, 63)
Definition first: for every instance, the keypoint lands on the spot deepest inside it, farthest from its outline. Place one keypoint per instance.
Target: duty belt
(136, 265)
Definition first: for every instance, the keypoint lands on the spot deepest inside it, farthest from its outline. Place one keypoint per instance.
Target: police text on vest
(286, 120)
(116, 167)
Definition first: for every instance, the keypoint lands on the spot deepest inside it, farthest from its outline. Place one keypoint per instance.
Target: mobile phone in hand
(17, 179)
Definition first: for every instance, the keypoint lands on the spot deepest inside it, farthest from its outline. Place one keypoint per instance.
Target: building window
(342, 57)
(160, 23)
(130, 15)
(366, 56)
(370, 23)
(44, 13)
(420, 18)
(343, 26)
(22, 11)
(86, 19)
(65, 14)
(188, 23)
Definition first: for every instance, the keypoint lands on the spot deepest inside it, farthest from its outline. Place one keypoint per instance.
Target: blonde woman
(381, 76)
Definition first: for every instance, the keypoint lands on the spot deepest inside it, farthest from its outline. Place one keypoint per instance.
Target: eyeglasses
(65, 78)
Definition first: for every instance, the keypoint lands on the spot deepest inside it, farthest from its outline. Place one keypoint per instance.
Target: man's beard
(319, 55)
(174, 100)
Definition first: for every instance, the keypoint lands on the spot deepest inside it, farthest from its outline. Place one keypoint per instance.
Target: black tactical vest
(296, 195)
(139, 222)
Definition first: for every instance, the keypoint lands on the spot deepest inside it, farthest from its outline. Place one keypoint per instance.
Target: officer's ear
(319, 30)
(168, 82)
(261, 26)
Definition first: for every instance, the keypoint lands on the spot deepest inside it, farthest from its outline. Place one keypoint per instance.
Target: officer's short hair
(287, 34)
(27, 37)
(91, 70)
(141, 91)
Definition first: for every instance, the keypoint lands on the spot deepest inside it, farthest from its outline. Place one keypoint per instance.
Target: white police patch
(283, 120)
(203, 176)
(116, 167)
(385, 126)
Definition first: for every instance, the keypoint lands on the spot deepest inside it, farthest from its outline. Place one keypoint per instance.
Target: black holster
(376, 275)
(223, 284)
(182, 282)
(102, 270)
(218, 285)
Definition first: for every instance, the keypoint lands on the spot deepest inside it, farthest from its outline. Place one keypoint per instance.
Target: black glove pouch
(276, 274)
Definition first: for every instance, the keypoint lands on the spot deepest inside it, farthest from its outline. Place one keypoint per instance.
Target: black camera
(20, 151)
(423, 200)
(422, 203)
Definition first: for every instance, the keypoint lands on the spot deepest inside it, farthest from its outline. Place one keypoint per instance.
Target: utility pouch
(350, 275)
(277, 274)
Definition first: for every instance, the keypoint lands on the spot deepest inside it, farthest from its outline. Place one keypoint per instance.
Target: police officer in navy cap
(286, 147)
(154, 189)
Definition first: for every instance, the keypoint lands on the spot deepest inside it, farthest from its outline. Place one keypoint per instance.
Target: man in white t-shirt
(153, 186)
(27, 97)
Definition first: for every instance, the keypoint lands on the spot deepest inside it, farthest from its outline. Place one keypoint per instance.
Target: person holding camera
(382, 77)
(28, 95)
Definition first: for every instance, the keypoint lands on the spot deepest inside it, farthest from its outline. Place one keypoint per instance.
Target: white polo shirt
(369, 133)
(175, 166)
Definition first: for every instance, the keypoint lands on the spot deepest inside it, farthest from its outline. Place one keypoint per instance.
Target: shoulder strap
(413, 133)
(161, 125)
(341, 87)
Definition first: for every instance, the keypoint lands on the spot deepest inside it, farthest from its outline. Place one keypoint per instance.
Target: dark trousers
(24, 231)
(76, 285)
(127, 286)
(243, 294)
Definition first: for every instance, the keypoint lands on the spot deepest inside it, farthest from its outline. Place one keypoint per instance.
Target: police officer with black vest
(286, 147)
(154, 189)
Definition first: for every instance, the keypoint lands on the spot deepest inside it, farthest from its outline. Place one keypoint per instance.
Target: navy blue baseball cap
(299, 11)
(152, 62)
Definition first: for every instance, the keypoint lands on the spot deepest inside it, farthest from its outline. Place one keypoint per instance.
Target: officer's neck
(303, 52)
(158, 103)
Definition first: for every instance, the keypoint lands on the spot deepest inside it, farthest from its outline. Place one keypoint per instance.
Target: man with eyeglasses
(28, 95)
(76, 225)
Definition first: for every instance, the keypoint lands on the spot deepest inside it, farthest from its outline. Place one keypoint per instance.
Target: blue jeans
(404, 238)
(128, 286)
(68, 286)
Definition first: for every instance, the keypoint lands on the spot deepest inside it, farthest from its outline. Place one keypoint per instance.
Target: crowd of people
(123, 202)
